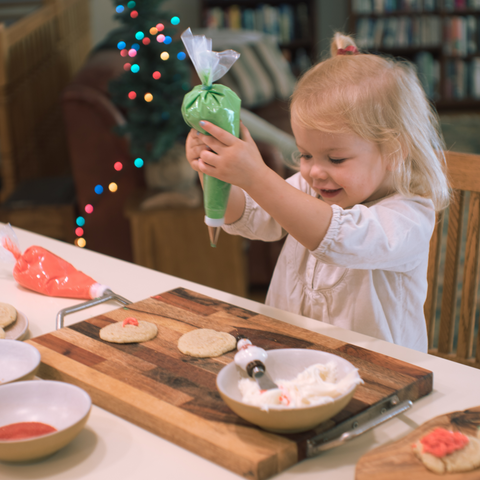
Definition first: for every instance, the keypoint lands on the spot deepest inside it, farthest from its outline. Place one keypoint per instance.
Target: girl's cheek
(304, 168)
(305, 173)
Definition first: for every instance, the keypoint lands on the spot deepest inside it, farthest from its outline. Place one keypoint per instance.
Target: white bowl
(61, 405)
(285, 364)
(18, 329)
(18, 361)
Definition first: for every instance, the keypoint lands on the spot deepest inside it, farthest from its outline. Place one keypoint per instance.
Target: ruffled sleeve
(392, 234)
(256, 224)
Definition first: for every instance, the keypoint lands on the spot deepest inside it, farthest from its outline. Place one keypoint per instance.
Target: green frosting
(221, 106)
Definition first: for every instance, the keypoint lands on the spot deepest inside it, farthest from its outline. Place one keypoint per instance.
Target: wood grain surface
(396, 461)
(173, 395)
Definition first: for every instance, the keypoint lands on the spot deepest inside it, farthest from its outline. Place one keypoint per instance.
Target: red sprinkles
(442, 442)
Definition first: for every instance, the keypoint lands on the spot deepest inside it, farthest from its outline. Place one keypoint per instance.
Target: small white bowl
(18, 329)
(285, 364)
(18, 361)
(61, 405)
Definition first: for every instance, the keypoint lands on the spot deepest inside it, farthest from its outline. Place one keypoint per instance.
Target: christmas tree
(156, 78)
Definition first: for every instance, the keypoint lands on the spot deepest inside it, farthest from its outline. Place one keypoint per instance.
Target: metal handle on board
(108, 295)
(361, 423)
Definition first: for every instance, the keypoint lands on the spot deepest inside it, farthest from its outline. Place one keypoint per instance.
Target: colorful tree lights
(150, 91)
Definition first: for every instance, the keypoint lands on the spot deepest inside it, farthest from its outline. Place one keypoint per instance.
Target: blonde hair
(381, 100)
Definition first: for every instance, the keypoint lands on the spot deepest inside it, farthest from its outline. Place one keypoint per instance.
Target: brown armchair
(94, 149)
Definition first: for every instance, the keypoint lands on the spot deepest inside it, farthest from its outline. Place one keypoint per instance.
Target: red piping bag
(44, 272)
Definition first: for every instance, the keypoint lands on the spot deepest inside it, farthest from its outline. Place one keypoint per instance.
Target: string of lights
(129, 49)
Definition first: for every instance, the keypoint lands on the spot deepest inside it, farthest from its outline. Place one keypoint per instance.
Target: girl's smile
(343, 168)
(328, 193)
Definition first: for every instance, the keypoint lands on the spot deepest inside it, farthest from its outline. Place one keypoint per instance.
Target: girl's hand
(193, 148)
(234, 160)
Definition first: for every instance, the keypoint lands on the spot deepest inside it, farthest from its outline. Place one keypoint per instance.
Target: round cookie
(205, 342)
(463, 460)
(8, 314)
(2, 333)
(118, 333)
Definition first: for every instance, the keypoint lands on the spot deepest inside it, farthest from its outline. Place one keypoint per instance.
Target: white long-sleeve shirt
(369, 273)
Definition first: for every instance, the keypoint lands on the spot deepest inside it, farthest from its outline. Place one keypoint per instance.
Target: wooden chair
(39, 53)
(452, 323)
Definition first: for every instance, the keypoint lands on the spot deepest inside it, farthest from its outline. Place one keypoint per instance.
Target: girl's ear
(395, 155)
(394, 161)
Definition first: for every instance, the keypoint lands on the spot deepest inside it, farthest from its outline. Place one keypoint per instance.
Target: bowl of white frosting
(313, 387)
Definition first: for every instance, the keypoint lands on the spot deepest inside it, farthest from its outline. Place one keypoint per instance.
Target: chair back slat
(432, 278)
(452, 255)
(470, 280)
(464, 171)
(39, 54)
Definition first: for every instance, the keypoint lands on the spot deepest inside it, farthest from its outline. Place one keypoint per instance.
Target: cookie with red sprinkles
(444, 451)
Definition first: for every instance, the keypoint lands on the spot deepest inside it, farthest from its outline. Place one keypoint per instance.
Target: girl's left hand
(234, 160)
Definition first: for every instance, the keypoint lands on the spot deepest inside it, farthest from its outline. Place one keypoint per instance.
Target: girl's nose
(318, 171)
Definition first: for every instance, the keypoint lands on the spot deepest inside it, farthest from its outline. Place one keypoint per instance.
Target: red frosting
(131, 321)
(22, 430)
(442, 442)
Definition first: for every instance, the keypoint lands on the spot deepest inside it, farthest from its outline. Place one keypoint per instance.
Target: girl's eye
(337, 161)
(297, 156)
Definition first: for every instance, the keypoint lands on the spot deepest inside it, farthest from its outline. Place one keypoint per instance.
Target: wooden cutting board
(396, 461)
(155, 386)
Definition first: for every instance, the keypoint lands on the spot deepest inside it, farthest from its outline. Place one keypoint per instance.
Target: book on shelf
(248, 19)
(234, 17)
(456, 80)
(303, 21)
(461, 79)
(475, 78)
(214, 18)
(378, 32)
(430, 5)
(471, 35)
(461, 35)
(380, 7)
(428, 71)
(399, 32)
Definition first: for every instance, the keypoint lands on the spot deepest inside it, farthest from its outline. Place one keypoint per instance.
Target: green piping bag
(217, 104)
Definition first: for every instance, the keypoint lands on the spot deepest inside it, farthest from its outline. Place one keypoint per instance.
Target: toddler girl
(360, 212)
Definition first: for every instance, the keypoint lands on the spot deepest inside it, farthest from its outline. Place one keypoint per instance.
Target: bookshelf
(442, 37)
(292, 22)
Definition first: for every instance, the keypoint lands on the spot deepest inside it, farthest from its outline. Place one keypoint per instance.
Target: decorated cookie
(8, 314)
(443, 451)
(205, 342)
(130, 330)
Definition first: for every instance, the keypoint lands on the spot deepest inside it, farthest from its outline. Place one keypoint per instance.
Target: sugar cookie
(129, 331)
(8, 314)
(461, 458)
(2, 333)
(205, 342)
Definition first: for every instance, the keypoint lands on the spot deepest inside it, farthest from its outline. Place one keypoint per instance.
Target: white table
(110, 447)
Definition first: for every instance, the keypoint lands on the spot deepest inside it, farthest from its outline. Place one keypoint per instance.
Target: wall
(330, 15)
